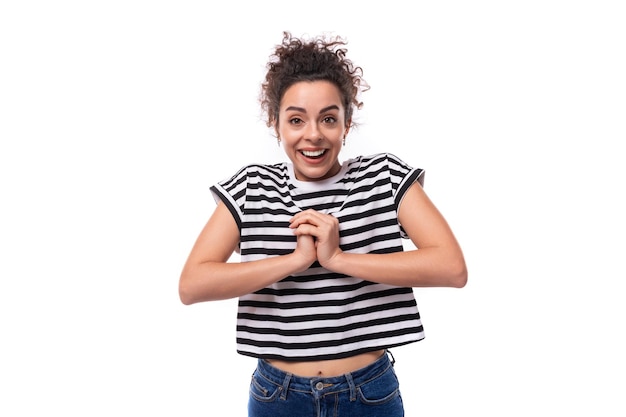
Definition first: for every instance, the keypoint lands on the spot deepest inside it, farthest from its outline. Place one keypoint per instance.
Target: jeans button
(319, 386)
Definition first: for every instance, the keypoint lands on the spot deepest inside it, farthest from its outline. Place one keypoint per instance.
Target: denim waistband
(325, 385)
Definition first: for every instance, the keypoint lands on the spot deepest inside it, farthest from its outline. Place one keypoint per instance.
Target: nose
(313, 132)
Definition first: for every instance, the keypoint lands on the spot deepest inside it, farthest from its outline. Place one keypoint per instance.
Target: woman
(324, 285)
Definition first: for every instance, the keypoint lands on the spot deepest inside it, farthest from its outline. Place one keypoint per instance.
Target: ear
(275, 124)
(348, 126)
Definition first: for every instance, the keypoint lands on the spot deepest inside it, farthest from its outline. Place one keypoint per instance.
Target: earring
(344, 141)
(278, 141)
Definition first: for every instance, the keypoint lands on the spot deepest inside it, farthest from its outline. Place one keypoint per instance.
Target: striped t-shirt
(319, 314)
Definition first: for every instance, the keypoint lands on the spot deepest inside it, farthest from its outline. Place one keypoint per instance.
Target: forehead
(311, 95)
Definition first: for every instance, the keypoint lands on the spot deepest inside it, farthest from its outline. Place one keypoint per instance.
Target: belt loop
(283, 395)
(352, 386)
(393, 360)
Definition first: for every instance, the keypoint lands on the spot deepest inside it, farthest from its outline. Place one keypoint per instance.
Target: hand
(324, 228)
(305, 247)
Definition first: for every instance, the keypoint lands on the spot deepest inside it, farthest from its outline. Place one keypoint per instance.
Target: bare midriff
(328, 368)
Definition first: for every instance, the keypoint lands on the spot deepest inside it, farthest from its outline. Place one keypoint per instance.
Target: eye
(329, 119)
(295, 121)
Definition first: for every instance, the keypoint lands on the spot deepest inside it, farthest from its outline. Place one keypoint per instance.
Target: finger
(312, 217)
(309, 216)
(307, 229)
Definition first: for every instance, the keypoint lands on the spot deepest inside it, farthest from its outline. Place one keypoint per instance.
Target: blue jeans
(372, 391)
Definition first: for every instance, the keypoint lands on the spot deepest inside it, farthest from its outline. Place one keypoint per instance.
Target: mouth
(314, 154)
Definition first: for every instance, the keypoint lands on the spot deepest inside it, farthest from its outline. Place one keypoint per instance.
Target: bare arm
(207, 275)
(438, 262)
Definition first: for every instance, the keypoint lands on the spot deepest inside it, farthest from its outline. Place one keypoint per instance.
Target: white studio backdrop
(116, 117)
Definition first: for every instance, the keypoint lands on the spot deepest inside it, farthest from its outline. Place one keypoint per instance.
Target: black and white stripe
(319, 314)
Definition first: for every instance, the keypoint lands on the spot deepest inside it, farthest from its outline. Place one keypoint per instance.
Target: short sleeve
(232, 192)
(402, 177)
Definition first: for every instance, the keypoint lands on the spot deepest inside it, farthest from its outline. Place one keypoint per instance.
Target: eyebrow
(302, 110)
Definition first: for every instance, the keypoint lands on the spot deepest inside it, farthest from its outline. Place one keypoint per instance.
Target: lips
(314, 154)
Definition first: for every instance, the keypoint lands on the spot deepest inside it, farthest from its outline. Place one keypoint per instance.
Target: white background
(116, 117)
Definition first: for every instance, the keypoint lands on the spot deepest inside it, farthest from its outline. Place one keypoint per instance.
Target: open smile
(314, 154)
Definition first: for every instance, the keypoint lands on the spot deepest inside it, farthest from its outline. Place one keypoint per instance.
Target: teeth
(313, 153)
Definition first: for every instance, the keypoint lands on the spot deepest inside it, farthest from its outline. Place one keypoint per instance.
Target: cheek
(334, 132)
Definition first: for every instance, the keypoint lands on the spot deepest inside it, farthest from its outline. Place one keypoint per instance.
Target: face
(312, 128)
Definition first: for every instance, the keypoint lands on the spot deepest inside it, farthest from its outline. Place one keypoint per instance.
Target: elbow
(458, 274)
(185, 293)
(185, 298)
(193, 291)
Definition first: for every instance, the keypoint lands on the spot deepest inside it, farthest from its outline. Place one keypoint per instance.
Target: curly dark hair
(320, 58)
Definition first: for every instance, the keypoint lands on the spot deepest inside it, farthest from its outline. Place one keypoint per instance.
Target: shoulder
(388, 165)
(252, 178)
(275, 169)
(268, 171)
(382, 160)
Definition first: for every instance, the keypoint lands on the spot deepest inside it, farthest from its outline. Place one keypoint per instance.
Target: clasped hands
(318, 236)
